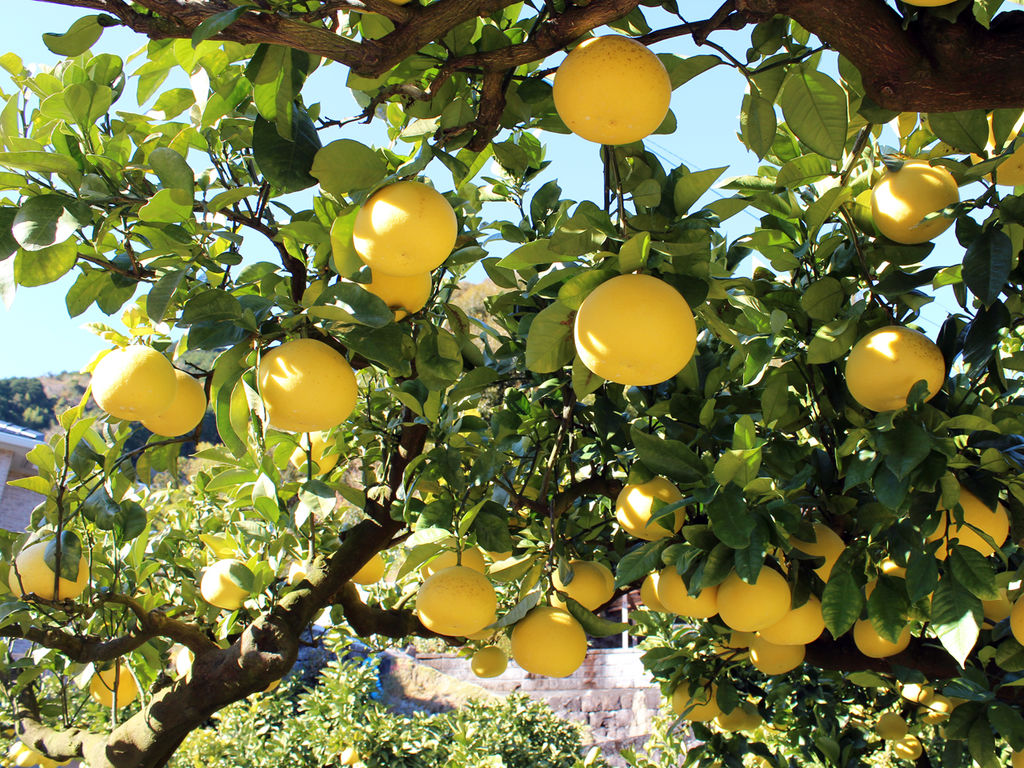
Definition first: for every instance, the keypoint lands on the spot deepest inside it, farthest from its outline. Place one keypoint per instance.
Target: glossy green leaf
(79, 38)
(47, 220)
(345, 165)
(815, 109)
(549, 344)
(286, 164)
(44, 265)
(70, 555)
(987, 264)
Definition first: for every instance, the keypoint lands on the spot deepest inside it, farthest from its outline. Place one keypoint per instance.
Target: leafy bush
(306, 728)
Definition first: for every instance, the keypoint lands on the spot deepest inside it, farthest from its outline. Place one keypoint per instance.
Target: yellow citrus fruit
(185, 412)
(890, 568)
(900, 200)
(306, 386)
(917, 693)
(487, 632)
(886, 364)
(891, 727)
(592, 584)
(318, 445)
(744, 717)
(113, 683)
(490, 661)
(456, 601)
(549, 641)
(827, 544)
(998, 609)
(1010, 172)
(472, 557)
(30, 575)
(937, 709)
(1017, 759)
(753, 607)
(404, 229)
(929, 3)
(134, 383)
(649, 593)
(1017, 620)
(404, 295)
(371, 572)
(636, 503)
(612, 90)
(700, 700)
(993, 522)
(860, 212)
(349, 755)
(799, 626)
(775, 659)
(182, 661)
(635, 330)
(872, 644)
(671, 592)
(908, 748)
(226, 584)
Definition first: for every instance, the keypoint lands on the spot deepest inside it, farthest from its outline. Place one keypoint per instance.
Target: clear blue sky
(36, 334)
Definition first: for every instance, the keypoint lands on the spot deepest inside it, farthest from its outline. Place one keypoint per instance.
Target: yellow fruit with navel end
(753, 607)
(471, 557)
(901, 199)
(873, 645)
(490, 661)
(995, 523)
(114, 686)
(744, 717)
(649, 593)
(891, 727)
(886, 364)
(226, 584)
(698, 702)
(318, 445)
(549, 641)
(134, 383)
(456, 601)
(635, 330)
(371, 572)
(827, 544)
(592, 584)
(612, 90)
(306, 386)
(672, 594)
(908, 748)
(404, 229)
(799, 626)
(404, 295)
(185, 411)
(31, 575)
(775, 659)
(637, 502)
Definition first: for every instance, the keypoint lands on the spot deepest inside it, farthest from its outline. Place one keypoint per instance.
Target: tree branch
(369, 620)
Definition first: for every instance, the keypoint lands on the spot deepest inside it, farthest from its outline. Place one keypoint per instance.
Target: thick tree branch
(369, 620)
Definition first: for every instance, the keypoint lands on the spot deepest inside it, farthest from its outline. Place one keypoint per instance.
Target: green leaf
(357, 303)
(577, 288)
(905, 446)
(966, 131)
(633, 253)
(639, 563)
(70, 555)
(730, 518)
(278, 73)
(593, 625)
(1008, 722)
(286, 164)
(438, 358)
(240, 575)
(79, 38)
(47, 220)
(814, 106)
(172, 170)
(344, 259)
(974, 572)
(43, 266)
(217, 23)
(823, 298)
(100, 509)
(520, 609)
(987, 264)
(8, 245)
(167, 206)
(671, 458)
(130, 520)
(491, 528)
(159, 297)
(532, 254)
(40, 162)
(758, 124)
(956, 618)
(682, 70)
(841, 602)
(922, 575)
(227, 373)
(345, 165)
(692, 185)
(887, 609)
(549, 344)
(211, 306)
(832, 341)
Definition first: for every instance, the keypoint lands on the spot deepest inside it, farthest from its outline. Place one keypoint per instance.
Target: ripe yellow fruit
(908, 748)
(404, 295)
(549, 641)
(116, 682)
(753, 607)
(612, 90)
(700, 700)
(487, 632)
(937, 709)
(592, 584)
(30, 575)
(306, 386)
(635, 330)
(318, 445)
(919, 694)
(872, 644)
(472, 557)
(671, 592)
(1017, 620)
(636, 503)
(1010, 172)
(775, 659)
(456, 601)
(489, 662)
(404, 229)
(901, 200)
(744, 717)
(993, 522)
(1017, 760)
(371, 572)
(649, 593)
(998, 609)
(134, 383)
(891, 727)
(799, 626)
(886, 364)
(827, 544)
(185, 411)
(349, 755)
(182, 661)
(929, 3)
(226, 584)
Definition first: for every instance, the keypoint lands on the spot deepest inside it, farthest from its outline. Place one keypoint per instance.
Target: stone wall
(16, 504)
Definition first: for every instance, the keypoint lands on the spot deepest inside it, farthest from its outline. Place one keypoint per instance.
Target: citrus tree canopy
(750, 404)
